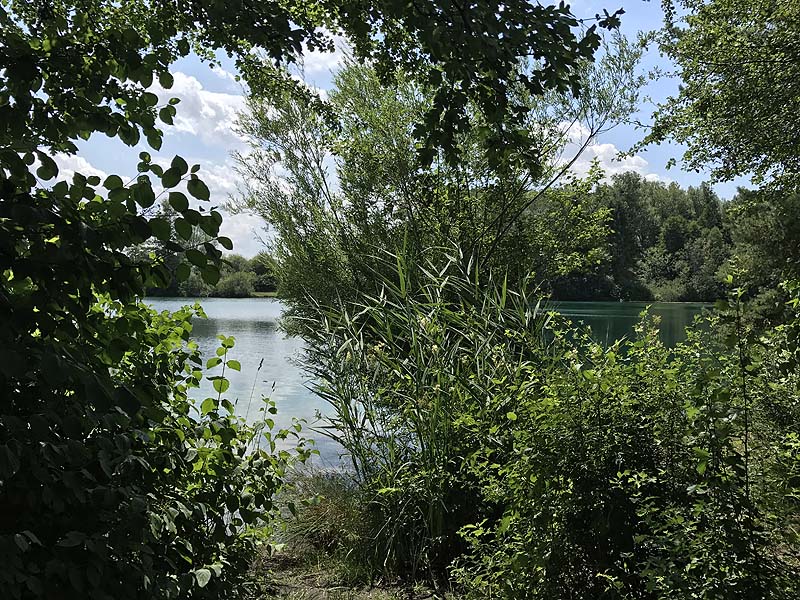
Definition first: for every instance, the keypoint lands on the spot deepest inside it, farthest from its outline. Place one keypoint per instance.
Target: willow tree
(340, 185)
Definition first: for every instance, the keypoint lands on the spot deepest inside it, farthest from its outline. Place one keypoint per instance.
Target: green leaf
(171, 177)
(213, 362)
(183, 228)
(511, 416)
(197, 258)
(225, 242)
(210, 275)
(178, 201)
(166, 80)
(198, 189)
(48, 168)
(166, 114)
(180, 165)
(143, 194)
(203, 576)
(161, 228)
(221, 385)
(112, 182)
(182, 272)
(208, 405)
(235, 365)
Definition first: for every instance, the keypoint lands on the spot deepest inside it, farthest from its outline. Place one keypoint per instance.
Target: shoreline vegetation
(420, 210)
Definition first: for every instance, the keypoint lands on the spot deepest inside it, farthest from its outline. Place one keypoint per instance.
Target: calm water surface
(253, 322)
(610, 321)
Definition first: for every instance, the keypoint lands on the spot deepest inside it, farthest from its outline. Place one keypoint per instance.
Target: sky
(211, 98)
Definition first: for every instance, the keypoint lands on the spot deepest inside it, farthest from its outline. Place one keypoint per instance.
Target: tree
(112, 482)
(765, 232)
(739, 62)
(336, 193)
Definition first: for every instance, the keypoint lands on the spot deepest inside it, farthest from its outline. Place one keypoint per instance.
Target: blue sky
(210, 99)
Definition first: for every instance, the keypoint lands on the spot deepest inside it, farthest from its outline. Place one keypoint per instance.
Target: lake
(254, 324)
(610, 321)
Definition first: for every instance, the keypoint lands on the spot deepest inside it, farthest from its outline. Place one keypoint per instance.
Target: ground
(289, 578)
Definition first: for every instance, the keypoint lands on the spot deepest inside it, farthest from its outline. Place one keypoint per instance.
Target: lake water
(610, 321)
(254, 324)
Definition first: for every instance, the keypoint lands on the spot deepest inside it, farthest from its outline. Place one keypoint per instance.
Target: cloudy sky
(211, 98)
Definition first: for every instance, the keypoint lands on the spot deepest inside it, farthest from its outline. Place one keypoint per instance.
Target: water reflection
(611, 321)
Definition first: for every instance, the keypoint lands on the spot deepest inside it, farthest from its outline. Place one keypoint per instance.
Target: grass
(287, 577)
(324, 546)
(264, 294)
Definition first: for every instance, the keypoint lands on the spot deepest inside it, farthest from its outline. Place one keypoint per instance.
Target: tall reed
(405, 370)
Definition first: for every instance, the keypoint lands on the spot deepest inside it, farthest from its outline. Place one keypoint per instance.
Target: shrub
(152, 494)
(497, 440)
(240, 284)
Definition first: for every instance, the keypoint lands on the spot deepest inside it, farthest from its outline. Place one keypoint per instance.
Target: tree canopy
(739, 65)
(114, 481)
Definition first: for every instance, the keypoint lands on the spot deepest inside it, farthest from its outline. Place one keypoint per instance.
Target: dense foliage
(473, 416)
(110, 484)
(336, 192)
(662, 243)
(240, 277)
(492, 444)
(739, 65)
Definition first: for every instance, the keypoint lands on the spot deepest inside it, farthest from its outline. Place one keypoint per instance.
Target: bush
(240, 284)
(496, 440)
(155, 495)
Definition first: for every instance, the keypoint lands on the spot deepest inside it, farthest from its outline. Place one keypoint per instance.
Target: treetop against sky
(211, 98)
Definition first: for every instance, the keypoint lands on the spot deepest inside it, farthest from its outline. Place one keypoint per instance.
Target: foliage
(239, 284)
(765, 232)
(93, 419)
(632, 472)
(568, 469)
(336, 192)
(155, 494)
(406, 372)
(738, 62)
(666, 243)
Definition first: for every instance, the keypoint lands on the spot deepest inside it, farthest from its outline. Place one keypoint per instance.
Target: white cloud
(68, 165)
(607, 155)
(319, 63)
(246, 232)
(223, 74)
(208, 115)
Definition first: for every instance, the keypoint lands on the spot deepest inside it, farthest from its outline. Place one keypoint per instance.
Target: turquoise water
(254, 324)
(610, 321)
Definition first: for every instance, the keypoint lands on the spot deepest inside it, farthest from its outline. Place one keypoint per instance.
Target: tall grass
(402, 370)
(492, 442)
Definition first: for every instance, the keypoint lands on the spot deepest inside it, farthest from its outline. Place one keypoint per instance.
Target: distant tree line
(240, 277)
(673, 244)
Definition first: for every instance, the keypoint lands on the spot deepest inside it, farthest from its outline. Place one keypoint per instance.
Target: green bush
(239, 284)
(407, 372)
(636, 472)
(497, 442)
(142, 491)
